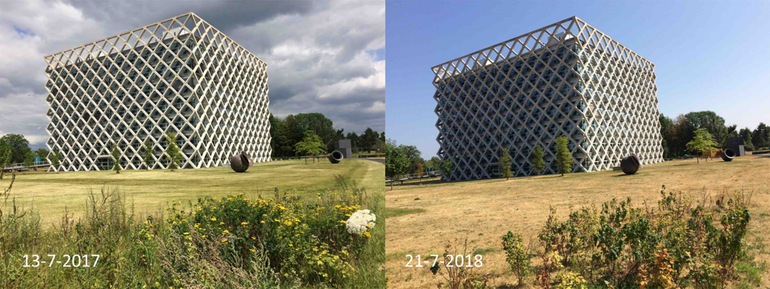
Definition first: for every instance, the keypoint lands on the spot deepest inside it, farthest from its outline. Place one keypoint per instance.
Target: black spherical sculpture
(630, 164)
(728, 155)
(335, 157)
(240, 162)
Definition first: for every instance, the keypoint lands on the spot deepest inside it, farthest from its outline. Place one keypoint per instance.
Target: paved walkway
(382, 161)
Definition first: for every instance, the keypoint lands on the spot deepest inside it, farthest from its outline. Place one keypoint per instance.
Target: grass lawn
(423, 218)
(150, 191)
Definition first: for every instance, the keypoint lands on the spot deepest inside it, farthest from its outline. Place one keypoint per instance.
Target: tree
(321, 126)
(563, 155)
(353, 137)
(665, 126)
(505, 163)
(396, 162)
(5, 152)
(56, 161)
(42, 153)
(116, 158)
(19, 147)
(432, 163)
(446, 169)
(274, 122)
(760, 137)
(745, 133)
(418, 170)
(537, 160)
(147, 156)
(29, 160)
(368, 140)
(713, 123)
(413, 155)
(311, 145)
(701, 141)
(172, 150)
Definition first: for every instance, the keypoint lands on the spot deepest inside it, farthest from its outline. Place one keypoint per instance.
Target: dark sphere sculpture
(335, 157)
(630, 164)
(240, 162)
(728, 155)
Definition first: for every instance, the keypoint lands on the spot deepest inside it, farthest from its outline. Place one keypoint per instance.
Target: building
(180, 75)
(565, 79)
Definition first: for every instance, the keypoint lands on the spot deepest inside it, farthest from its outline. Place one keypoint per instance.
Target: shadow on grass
(625, 175)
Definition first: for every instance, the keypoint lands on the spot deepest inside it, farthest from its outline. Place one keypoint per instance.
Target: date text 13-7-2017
(78, 261)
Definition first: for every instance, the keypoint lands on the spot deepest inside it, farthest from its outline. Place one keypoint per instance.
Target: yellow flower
(291, 245)
(214, 219)
(187, 233)
(366, 234)
(276, 220)
(262, 222)
(337, 206)
(253, 238)
(244, 223)
(224, 240)
(204, 236)
(252, 250)
(221, 223)
(343, 222)
(347, 215)
(225, 232)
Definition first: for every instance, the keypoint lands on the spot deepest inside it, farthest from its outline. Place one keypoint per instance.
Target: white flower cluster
(360, 221)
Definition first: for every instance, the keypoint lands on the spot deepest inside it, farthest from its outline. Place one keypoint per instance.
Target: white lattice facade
(180, 75)
(566, 79)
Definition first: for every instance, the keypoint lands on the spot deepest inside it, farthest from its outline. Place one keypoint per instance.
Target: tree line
(293, 129)
(678, 132)
(689, 133)
(14, 149)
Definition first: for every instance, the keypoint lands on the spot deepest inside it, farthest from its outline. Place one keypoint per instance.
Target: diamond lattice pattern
(178, 75)
(566, 79)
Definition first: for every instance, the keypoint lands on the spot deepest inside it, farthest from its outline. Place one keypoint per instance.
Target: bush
(517, 255)
(674, 244)
(234, 242)
(458, 277)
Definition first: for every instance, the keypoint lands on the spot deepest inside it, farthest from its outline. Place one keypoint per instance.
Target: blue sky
(707, 55)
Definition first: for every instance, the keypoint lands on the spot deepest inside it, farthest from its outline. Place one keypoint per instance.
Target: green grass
(482, 251)
(150, 191)
(397, 212)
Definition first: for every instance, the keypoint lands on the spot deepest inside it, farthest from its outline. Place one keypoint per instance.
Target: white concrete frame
(567, 79)
(177, 75)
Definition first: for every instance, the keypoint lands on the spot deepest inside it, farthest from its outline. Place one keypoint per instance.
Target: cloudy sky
(326, 57)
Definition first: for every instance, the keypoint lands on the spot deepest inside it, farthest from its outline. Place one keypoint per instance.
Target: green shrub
(674, 244)
(517, 255)
(235, 242)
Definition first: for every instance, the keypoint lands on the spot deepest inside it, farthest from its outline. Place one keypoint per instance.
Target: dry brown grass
(485, 210)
